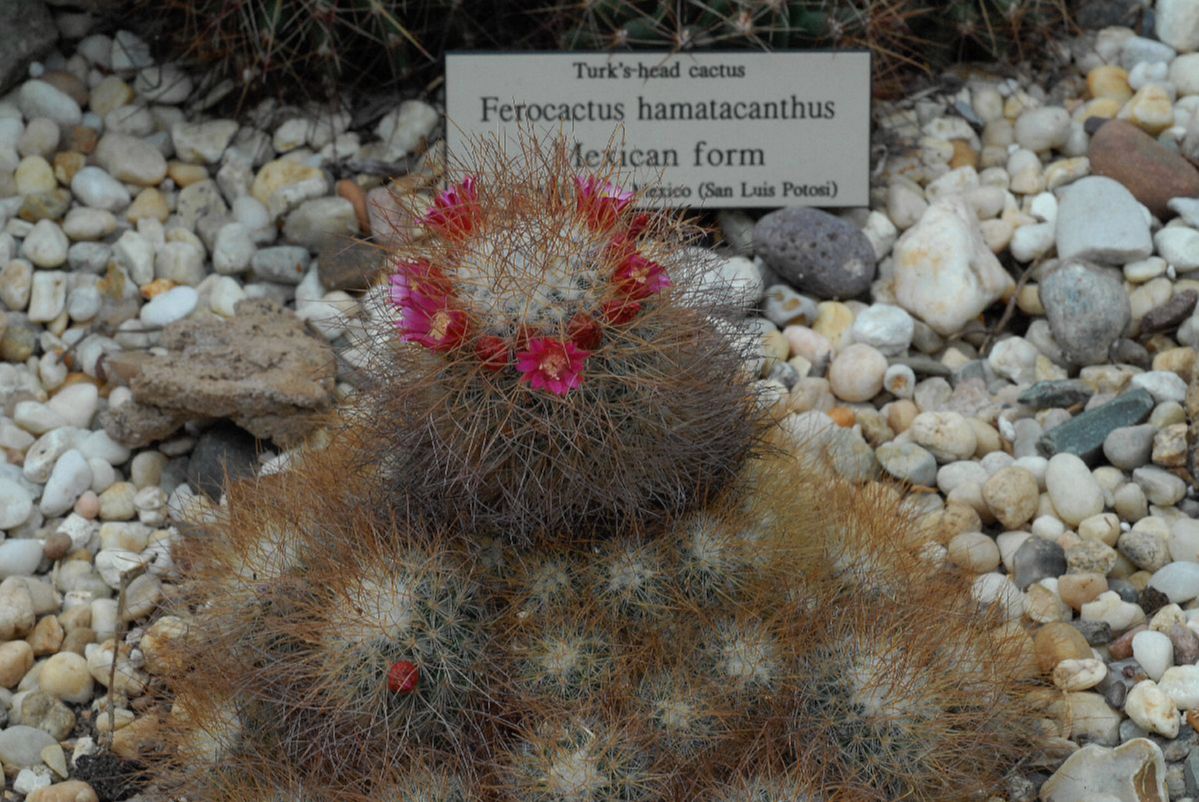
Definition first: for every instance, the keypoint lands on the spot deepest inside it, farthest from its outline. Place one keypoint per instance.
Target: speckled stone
(816, 252)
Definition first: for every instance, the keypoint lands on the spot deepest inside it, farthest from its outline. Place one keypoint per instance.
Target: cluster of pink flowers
(431, 316)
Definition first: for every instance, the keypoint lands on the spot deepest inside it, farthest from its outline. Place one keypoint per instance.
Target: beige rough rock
(261, 368)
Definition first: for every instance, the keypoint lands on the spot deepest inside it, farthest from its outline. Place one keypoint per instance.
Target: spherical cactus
(385, 645)
(557, 367)
(910, 699)
(578, 757)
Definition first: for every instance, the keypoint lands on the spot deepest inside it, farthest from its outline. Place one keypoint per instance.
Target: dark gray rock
(345, 264)
(1060, 393)
(1087, 309)
(815, 252)
(1124, 589)
(29, 33)
(1130, 352)
(1097, 633)
(1036, 559)
(1152, 600)
(222, 454)
(1083, 435)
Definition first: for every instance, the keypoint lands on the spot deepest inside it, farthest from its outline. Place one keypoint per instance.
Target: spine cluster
(553, 555)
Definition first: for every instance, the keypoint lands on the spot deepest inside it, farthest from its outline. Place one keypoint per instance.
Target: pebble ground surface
(1010, 328)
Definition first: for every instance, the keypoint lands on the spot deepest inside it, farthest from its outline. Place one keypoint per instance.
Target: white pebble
(1154, 652)
(174, 304)
(1151, 709)
(70, 477)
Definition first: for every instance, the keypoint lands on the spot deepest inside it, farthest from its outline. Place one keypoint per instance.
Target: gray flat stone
(1084, 434)
(1061, 393)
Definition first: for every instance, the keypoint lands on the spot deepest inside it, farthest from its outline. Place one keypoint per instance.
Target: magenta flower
(552, 365)
(432, 322)
(417, 279)
(601, 202)
(639, 278)
(454, 210)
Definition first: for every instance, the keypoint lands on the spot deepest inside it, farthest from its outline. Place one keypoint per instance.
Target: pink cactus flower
(417, 279)
(432, 323)
(552, 365)
(455, 211)
(639, 278)
(601, 202)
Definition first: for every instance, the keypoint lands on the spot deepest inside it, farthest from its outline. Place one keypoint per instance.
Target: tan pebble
(900, 414)
(77, 617)
(1029, 300)
(150, 204)
(833, 322)
(16, 658)
(80, 138)
(87, 505)
(156, 642)
(1150, 109)
(1170, 446)
(1059, 641)
(65, 676)
(66, 164)
(1043, 605)
(1180, 360)
(46, 637)
(1012, 495)
(157, 287)
(58, 544)
(963, 155)
(184, 174)
(974, 552)
(68, 84)
(77, 640)
(1109, 81)
(69, 791)
(137, 739)
(109, 95)
(1140, 579)
(1104, 527)
(986, 436)
(1079, 589)
(56, 759)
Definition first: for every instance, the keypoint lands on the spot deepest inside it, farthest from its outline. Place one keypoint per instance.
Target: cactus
(679, 608)
(566, 380)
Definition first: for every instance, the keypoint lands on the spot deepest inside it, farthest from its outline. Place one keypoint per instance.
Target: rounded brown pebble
(68, 84)
(1150, 171)
(69, 791)
(357, 198)
(1078, 589)
(1059, 641)
(56, 546)
(1121, 647)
